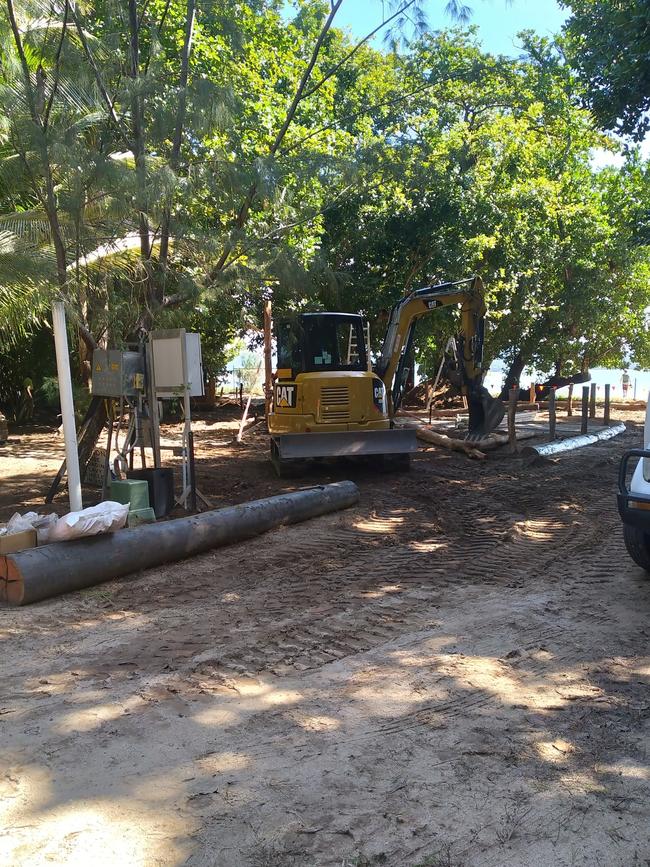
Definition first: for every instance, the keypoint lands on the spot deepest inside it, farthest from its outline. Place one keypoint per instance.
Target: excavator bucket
(485, 413)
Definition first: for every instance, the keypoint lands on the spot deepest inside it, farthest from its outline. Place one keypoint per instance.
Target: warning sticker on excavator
(285, 395)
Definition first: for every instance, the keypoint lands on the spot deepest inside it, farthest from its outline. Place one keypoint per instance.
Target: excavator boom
(485, 412)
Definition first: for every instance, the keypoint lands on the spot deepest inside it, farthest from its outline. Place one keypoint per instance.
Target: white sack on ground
(102, 518)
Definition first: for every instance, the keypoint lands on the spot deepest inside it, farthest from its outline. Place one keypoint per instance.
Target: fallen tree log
(437, 439)
(497, 439)
(542, 389)
(426, 435)
(472, 448)
(39, 573)
(629, 406)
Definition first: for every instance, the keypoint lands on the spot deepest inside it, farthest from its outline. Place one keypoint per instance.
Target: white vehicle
(634, 500)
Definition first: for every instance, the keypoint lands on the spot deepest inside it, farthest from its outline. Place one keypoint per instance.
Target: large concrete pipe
(39, 573)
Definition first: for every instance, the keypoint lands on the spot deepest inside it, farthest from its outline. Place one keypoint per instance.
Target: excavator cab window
(290, 340)
(334, 342)
(321, 342)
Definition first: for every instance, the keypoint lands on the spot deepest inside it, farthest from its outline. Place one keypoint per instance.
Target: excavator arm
(485, 412)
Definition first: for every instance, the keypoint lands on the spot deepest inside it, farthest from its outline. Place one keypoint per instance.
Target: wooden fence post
(607, 407)
(585, 409)
(551, 413)
(531, 393)
(569, 409)
(512, 410)
(592, 400)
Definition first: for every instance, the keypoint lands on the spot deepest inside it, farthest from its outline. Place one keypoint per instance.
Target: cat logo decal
(285, 395)
(379, 396)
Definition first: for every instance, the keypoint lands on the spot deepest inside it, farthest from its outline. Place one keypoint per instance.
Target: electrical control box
(117, 373)
(176, 363)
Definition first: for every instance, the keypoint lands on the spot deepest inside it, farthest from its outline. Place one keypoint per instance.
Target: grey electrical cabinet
(117, 373)
(177, 363)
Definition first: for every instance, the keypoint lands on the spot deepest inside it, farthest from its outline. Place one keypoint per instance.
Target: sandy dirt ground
(454, 672)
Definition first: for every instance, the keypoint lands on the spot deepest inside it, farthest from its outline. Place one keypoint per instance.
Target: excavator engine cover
(485, 413)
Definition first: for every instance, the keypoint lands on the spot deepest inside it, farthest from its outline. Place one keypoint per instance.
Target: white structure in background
(244, 367)
(67, 406)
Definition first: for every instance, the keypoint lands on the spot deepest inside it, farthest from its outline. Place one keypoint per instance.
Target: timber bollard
(268, 364)
(592, 400)
(531, 393)
(569, 408)
(607, 406)
(513, 397)
(584, 424)
(551, 413)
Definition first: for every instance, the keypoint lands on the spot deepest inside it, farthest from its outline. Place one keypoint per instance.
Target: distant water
(639, 381)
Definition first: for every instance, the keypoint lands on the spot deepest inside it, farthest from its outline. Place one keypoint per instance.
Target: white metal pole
(67, 406)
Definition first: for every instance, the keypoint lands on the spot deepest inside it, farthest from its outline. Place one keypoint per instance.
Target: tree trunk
(138, 147)
(513, 376)
(180, 123)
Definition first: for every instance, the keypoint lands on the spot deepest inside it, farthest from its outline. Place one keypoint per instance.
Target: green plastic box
(141, 516)
(134, 492)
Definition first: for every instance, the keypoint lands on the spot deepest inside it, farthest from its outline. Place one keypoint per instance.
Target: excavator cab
(320, 342)
(327, 402)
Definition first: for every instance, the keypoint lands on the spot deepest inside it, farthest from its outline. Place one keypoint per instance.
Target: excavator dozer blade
(485, 413)
(345, 444)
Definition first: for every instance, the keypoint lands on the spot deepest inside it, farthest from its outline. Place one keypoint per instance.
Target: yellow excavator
(330, 401)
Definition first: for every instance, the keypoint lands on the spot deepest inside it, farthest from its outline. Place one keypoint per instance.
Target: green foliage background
(172, 163)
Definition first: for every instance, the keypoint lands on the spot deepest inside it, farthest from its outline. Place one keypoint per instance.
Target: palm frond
(79, 95)
(26, 280)
(22, 309)
(30, 229)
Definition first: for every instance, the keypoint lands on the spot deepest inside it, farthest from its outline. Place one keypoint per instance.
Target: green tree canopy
(170, 162)
(608, 42)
